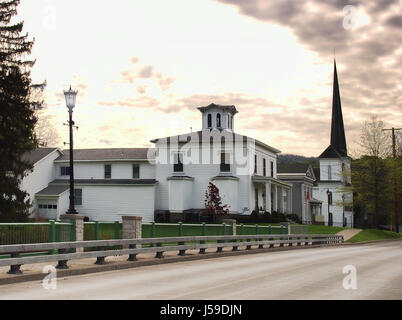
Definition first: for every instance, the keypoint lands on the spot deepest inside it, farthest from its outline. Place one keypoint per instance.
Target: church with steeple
(334, 174)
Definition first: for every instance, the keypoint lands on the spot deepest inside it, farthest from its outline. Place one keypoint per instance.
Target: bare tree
(370, 173)
(373, 141)
(46, 131)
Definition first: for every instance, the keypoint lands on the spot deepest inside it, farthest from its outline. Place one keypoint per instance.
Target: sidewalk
(348, 233)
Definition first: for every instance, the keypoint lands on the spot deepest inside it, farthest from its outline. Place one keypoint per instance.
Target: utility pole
(395, 179)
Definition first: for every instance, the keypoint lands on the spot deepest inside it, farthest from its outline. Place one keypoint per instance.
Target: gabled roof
(207, 133)
(53, 190)
(317, 173)
(37, 155)
(107, 154)
(295, 171)
(292, 167)
(330, 152)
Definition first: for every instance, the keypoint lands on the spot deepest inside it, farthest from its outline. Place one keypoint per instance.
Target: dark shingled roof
(231, 108)
(292, 167)
(338, 140)
(317, 174)
(330, 152)
(108, 154)
(36, 155)
(53, 190)
(105, 181)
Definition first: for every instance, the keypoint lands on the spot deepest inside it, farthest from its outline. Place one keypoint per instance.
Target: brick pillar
(79, 226)
(132, 227)
(231, 222)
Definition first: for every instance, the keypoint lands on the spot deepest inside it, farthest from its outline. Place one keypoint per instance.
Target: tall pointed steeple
(338, 141)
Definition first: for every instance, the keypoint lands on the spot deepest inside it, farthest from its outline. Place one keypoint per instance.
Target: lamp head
(71, 96)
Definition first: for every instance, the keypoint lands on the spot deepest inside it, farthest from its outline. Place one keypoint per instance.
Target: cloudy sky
(143, 67)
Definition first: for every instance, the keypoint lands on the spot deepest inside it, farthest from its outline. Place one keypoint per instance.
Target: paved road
(296, 274)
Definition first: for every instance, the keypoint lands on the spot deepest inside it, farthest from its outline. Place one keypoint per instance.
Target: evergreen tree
(17, 113)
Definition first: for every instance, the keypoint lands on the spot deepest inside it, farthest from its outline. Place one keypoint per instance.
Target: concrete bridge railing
(132, 247)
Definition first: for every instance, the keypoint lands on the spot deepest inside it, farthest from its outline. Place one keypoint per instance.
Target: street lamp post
(343, 210)
(71, 96)
(329, 215)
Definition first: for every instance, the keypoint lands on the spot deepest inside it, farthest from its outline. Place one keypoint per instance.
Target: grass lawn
(374, 234)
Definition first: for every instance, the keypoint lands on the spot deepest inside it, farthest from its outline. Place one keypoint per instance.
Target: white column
(290, 200)
(275, 197)
(268, 196)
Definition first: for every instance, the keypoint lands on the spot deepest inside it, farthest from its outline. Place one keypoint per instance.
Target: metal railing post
(73, 235)
(132, 256)
(152, 232)
(182, 252)
(248, 246)
(96, 230)
(202, 250)
(116, 230)
(159, 254)
(219, 249)
(52, 234)
(15, 269)
(62, 264)
(180, 229)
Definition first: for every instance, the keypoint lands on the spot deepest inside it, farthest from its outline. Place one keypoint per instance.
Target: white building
(334, 178)
(303, 179)
(170, 178)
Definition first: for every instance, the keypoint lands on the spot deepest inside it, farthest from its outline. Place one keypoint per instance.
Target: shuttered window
(178, 162)
(78, 197)
(108, 171)
(136, 171)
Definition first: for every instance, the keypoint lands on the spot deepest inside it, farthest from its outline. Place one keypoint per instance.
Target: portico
(272, 195)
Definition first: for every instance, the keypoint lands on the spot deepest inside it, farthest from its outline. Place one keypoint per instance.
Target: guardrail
(130, 247)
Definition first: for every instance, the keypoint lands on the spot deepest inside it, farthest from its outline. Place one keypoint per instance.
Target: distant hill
(291, 158)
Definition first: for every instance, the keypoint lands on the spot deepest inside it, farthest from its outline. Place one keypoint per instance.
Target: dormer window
(218, 120)
(209, 120)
